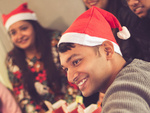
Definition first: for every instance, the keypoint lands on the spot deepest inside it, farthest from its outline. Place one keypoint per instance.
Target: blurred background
(54, 14)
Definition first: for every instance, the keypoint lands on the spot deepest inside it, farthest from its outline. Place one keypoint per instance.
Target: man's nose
(71, 74)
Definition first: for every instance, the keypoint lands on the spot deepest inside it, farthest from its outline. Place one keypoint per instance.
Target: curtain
(5, 47)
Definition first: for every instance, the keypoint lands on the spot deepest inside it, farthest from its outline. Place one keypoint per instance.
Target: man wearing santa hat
(93, 61)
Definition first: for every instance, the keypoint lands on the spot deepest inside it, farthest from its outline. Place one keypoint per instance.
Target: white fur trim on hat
(18, 17)
(84, 39)
(124, 33)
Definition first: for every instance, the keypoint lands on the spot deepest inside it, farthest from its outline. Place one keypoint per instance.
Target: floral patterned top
(36, 66)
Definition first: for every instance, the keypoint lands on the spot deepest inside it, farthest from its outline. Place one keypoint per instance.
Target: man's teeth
(82, 82)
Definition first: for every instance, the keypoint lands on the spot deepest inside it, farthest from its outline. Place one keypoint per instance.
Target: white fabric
(124, 34)
(84, 39)
(18, 17)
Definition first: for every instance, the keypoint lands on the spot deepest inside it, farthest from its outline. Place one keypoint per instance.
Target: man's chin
(86, 94)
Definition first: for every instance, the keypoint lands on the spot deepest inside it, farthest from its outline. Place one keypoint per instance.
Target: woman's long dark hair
(43, 45)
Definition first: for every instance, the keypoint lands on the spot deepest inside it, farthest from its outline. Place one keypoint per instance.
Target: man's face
(139, 7)
(87, 68)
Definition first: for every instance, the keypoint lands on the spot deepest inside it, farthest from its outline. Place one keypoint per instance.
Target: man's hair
(63, 47)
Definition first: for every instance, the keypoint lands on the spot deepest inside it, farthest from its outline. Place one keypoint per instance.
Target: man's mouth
(81, 83)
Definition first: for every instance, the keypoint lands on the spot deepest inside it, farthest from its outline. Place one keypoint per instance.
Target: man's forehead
(68, 55)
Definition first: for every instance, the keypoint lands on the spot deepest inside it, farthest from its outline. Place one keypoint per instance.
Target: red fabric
(73, 85)
(20, 9)
(95, 22)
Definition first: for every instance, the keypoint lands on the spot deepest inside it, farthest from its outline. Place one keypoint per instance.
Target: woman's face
(22, 34)
(98, 3)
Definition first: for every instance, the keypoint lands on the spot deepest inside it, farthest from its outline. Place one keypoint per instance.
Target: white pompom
(124, 34)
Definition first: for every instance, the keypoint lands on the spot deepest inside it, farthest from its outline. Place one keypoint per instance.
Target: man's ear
(108, 48)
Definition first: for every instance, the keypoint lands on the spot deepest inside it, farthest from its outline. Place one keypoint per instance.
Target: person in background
(8, 103)
(140, 7)
(112, 6)
(32, 64)
(93, 61)
(139, 28)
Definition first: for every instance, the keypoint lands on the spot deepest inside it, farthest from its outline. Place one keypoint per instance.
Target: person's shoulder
(140, 64)
(137, 70)
(135, 75)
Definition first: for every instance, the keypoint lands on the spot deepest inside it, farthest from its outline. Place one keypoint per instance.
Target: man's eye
(76, 62)
(66, 69)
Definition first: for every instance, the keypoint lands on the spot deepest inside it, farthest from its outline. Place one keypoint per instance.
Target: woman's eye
(76, 62)
(12, 33)
(24, 28)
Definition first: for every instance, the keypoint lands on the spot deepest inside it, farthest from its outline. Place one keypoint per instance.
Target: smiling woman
(32, 64)
(22, 35)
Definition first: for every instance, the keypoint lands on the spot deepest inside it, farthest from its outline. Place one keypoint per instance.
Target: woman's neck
(32, 52)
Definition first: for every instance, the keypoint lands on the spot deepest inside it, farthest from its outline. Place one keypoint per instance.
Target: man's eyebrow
(71, 57)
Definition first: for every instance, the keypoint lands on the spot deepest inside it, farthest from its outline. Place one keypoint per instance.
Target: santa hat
(93, 27)
(20, 13)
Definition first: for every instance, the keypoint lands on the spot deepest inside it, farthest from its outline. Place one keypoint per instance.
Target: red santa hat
(93, 27)
(20, 13)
